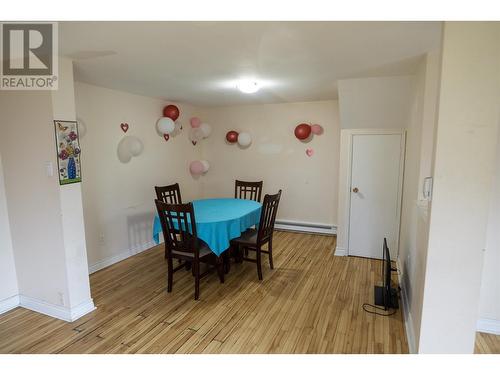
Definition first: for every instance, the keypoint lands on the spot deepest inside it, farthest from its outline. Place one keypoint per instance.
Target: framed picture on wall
(68, 152)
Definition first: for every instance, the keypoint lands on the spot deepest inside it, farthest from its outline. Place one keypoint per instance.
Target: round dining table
(219, 220)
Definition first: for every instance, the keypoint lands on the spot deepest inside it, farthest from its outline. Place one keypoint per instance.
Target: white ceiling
(198, 62)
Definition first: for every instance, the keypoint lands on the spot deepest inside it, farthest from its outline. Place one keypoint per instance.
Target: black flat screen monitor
(385, 295)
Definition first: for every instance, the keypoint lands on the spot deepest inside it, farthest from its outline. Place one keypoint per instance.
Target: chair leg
(239, 254)
(270, 249)
(196, 270)
(170, 275)
(220, 268)
(259, 263)
(226, 261)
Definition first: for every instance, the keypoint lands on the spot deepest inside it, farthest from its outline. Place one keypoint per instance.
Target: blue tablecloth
(219, 220)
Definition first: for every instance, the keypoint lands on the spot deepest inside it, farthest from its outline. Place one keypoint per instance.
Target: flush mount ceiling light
(248, 86)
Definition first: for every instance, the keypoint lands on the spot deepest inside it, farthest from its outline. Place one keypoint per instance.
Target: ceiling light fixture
(248, 86)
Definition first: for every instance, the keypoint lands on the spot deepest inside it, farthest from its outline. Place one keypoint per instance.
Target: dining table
(219, 220)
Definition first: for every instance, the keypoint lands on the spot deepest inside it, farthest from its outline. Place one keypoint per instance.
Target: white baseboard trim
(296, 226)
(121, 256)
(9, 303)
(340, 251)
(82, 309)
(410, 333)
(488, 326)
(60, 312)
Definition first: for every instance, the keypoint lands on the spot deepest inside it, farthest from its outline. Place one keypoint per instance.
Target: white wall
(309, 184)
(415, 214)
(8, 278)
(43, 221)
(489, 306)
(375, 103)
(63, 108)
(27, 143)
(118, 199)
(368, 103)
(464, 167)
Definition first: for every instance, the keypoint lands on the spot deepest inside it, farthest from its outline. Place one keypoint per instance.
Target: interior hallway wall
(118, 199)
(466, 142)
(51, 271)
(415, 208)
(27, 144)
(275, 156)
(367, 103)
(489, 304)
(8, 278)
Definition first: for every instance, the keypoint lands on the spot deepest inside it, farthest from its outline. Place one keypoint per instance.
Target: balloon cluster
(129, 146)
(303, 131)
(199, 130)
(243, 139)
(167, 124)
(199, 167)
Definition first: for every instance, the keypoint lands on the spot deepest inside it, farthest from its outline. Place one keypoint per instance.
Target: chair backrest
(268, 216)
(179, 227)
(248, 190)
(170, 194)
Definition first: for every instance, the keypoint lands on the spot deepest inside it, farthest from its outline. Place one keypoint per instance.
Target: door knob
(355, 190)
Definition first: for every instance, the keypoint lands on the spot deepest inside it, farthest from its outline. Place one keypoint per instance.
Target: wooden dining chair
(181, 242)
(248, 190)
(254, 239)
(170, 194)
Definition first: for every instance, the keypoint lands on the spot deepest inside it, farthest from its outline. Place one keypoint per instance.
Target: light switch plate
(49, 169)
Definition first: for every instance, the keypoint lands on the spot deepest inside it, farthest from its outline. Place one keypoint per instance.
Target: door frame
(348, 140)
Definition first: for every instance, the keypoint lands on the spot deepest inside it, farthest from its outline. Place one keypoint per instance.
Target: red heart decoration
(166, 136)
(124, 127)
(309, 152)
(194, 143)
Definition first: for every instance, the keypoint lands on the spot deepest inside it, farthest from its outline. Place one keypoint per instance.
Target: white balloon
(206, 166)
(123, 151)
(244, 139)
(195, 134)
(129, 146)
(177, 130)
(165, 125)
(135, 146)
(205, 129)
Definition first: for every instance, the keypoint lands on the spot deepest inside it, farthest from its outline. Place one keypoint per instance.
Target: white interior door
(375, 194)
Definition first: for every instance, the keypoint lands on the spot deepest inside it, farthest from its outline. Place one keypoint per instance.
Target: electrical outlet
(62, 300)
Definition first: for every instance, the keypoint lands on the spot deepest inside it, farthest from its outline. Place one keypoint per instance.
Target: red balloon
(171, 111)
(232, 136)
(303, 131)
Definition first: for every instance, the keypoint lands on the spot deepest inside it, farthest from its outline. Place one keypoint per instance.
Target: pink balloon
(196, 167)
(195, 122)
(317, 129)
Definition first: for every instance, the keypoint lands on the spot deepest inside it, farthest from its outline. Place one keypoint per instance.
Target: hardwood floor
(487, 344)
(310, 303)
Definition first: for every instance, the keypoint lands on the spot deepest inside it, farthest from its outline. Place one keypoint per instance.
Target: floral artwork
(68, 152)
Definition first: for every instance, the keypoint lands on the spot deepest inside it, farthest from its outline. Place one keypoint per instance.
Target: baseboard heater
(296, 226)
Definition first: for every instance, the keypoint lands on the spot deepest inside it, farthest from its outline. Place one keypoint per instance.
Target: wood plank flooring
(310, 303)
(487, 344)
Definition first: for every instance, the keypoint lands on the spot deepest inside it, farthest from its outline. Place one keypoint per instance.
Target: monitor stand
(379, 298)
